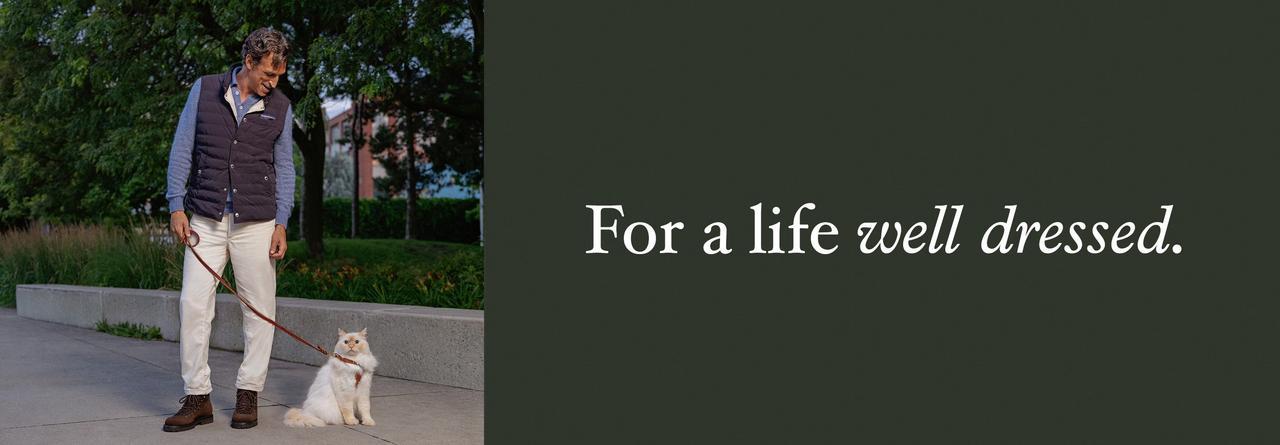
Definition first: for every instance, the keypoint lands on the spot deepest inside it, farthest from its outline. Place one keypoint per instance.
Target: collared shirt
(184, 144)
(242, 107)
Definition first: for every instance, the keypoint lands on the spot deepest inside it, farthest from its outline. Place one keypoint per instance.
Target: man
(231, 181)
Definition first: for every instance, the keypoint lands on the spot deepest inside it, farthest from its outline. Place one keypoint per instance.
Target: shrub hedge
(437, 219)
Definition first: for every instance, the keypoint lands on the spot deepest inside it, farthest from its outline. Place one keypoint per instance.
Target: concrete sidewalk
(67, 385)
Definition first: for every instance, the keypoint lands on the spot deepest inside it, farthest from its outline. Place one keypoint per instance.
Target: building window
(335, 133)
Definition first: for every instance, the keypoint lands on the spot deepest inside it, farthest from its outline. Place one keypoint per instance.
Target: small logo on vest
(270, 118)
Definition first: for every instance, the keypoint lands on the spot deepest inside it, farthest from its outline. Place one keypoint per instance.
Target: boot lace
(246, 401)
(189, 404)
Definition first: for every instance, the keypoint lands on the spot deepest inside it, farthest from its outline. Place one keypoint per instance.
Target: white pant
(248, 245)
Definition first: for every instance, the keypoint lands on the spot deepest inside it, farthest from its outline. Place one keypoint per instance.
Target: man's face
(262, 77)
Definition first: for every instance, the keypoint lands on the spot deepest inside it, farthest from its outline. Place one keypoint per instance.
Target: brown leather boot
(196, 410)
(246, 414)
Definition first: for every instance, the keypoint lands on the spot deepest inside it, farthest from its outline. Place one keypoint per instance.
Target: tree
(95, 90)
(358, 141)
(387, 150)
(90, 92)
(421, 62)
(337, 176)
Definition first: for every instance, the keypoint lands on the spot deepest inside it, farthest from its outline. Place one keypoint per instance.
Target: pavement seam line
(439, 389)
(80, 421)
(368, 434)
(155, 365)
(167, 370)
(442, 389)
(271, 402)
(114, 419)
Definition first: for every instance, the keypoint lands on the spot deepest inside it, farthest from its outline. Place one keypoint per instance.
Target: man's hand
(180, 226)
(278, 244)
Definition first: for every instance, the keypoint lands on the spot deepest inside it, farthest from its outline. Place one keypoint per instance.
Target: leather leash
(194, 239)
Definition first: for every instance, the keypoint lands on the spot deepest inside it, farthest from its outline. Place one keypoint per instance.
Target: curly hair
(262, 41)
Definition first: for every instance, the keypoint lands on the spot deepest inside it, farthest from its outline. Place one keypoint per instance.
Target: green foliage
(90, 91)
(87, 255)
(473, 215)
(422, 62)
(388, 271)
(141, 255)
(127, 329)
(438, 219)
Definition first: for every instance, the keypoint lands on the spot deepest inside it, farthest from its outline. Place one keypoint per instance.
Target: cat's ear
(341, 332)
(364, 332)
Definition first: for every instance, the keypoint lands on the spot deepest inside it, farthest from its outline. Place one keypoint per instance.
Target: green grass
(86, 255)
(129, 330)
(424, 273)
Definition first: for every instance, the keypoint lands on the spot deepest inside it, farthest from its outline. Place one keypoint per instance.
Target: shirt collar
(234, 84)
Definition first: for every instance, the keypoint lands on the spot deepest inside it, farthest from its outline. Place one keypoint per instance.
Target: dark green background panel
(694, 112)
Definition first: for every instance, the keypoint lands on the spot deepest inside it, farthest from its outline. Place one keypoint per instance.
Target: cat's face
(352, 343)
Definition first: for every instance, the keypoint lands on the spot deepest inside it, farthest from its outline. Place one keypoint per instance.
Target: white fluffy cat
(334, 397)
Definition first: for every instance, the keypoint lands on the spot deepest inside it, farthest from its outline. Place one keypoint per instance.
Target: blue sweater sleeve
(184, 141)
(284, 170)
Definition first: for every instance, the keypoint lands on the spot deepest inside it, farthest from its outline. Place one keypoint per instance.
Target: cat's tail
(297, 418)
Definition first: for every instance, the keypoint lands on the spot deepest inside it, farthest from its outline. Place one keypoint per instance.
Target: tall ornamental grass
(143, 255)
(139, 256)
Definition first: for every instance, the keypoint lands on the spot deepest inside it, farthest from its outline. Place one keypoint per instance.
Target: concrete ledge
(444, 346)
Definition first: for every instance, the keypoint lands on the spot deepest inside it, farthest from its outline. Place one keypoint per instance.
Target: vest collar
(226, 93)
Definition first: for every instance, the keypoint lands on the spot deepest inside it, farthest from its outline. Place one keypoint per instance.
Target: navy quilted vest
(239, 159)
